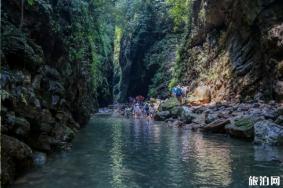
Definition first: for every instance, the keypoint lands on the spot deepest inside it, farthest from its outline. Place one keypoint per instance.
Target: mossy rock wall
(56, 69)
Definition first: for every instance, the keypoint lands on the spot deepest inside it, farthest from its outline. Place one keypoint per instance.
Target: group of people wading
(141, 108)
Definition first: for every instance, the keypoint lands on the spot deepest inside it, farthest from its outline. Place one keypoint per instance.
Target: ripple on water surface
(116, 152)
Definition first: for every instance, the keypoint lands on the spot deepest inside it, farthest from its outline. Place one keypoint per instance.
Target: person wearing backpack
(178, 93)
(146, 109)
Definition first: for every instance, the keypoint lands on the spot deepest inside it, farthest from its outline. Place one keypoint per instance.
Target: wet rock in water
(186, 116)
(178, 123)
(169, 104)
(170, 120)
(210, 117)
(39, 158)
(161, 116)
(57, 138)
(217, 126)
(16, 156)
(42, 142)
(267, 132)
(62, 133)
(194, 126)
(242, 127)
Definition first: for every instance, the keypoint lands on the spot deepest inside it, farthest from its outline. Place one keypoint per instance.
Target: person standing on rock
(178, 93)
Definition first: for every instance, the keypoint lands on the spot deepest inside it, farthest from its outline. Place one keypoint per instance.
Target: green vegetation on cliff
(148, 39)
(56, 68)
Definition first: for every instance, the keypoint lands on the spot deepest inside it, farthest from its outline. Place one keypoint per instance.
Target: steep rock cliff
(235, 48)
(55, 65)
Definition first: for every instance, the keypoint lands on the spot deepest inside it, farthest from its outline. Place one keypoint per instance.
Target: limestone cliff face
(235, 47)
(49, 76)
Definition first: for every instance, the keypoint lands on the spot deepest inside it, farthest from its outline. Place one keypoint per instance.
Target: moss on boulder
(242, 127)
(169, 104)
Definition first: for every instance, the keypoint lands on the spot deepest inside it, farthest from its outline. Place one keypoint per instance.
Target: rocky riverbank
(255, 121)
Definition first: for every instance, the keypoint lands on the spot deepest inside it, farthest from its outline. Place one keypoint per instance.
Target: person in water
(132, 101)
(151, 110)
(178, 93)
(140, 99)
(146, 109)
(137, 111)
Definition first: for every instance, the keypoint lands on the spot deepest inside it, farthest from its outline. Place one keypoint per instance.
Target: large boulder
(218, 126)
(242, 127)
(176, 111)
(161, 116)
(16, 156)
(186, 116)
(267, 132)
(201, 95)
(169, 104)
(210, 117)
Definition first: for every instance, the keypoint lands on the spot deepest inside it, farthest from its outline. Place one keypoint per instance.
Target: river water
(116, 152)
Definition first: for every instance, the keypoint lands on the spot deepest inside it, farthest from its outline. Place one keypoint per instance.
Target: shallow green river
(115, 152)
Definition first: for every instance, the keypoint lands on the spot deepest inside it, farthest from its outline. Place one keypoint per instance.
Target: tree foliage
(178, 11)
(30, 2)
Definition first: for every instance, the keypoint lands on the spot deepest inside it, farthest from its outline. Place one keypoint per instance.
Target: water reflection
(268, 153)
(114, 152)
(212, 160)
(117, 155)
